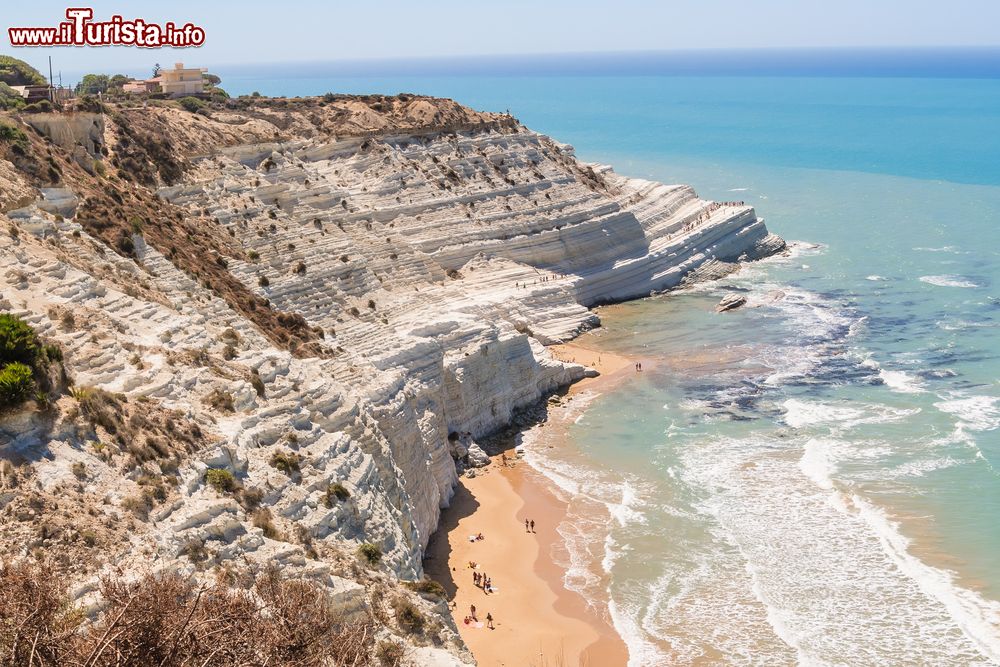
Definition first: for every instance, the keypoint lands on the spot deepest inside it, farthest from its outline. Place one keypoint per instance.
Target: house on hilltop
(178, 82)
(181, 81)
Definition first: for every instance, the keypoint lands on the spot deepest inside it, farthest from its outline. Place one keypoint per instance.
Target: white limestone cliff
(438, 266)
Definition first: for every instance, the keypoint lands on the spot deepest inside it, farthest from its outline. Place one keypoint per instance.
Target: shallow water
(812, 478)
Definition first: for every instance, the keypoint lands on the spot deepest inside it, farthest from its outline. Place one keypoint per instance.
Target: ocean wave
(838, 587)
(901, 381)
(962, 325)
(949, 280)
(976, 413)
(921, 467)
(898, 381)
(804, 413)
(800, 414)
(948, 249)
(815, 464)
(976, 616)
(876, 278)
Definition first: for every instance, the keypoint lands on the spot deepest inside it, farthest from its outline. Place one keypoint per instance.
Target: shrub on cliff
(41, 106)
(16, 384)
(10, 98)
(408, 616)
(26, 364)
(18, 341)
(221, 480)
(264, 520)
(286, 462)
(370, 552)
(13, 136)
(427, 587)
(335, 492)
(390, 653)
(192, 104)
(222, 401)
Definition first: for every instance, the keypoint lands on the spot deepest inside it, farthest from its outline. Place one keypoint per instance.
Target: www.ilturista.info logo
(79, 30)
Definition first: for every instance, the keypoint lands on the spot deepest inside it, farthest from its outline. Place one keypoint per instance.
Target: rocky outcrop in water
(730, 302)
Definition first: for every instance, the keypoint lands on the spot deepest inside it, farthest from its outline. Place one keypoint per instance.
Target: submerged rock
(730, 302)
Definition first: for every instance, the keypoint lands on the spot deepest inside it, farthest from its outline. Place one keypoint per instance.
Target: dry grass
(168, 621)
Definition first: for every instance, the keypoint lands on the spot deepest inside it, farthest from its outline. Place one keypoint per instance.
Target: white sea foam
(815, 464)
(976, 413)
(901, 381)
(804, 413)
(799, 414)
(876, 278)
(949, 281)
(921, 467)
(978, 618)
(816, 558)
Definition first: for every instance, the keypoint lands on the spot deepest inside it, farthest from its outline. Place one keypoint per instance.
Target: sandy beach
(538, 622)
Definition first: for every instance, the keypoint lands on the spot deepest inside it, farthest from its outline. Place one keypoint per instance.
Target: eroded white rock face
(438, 268)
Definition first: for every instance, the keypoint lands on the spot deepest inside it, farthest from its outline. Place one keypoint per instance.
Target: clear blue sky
(274, 31)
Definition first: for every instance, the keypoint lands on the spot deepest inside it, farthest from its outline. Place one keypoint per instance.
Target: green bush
(221, 480)
(10, 98)
(16, 384)
(191, 104)
(18, 341)
(370, 552)
(13, 135)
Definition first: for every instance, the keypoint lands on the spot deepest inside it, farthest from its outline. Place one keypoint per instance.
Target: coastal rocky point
(287, 325)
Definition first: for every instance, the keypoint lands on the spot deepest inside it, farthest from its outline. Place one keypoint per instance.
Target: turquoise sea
(814, 478)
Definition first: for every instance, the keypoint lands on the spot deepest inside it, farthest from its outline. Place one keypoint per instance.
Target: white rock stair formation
(438, 267)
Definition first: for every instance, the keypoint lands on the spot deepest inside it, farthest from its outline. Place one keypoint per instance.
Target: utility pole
(52, 92)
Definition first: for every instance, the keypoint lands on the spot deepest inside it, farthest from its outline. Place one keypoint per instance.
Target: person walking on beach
(532, 525)
(472, 612)
(526, 526)
(489, 621)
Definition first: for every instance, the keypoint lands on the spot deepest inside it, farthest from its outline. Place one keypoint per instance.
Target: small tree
(92, 84)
